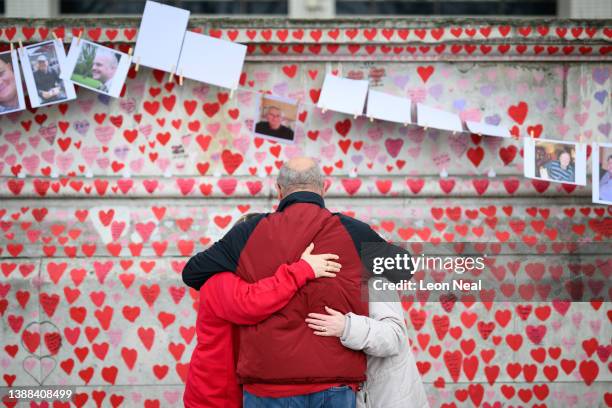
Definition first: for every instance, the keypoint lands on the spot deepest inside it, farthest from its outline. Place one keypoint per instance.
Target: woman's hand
(321, 264)
(331, 324)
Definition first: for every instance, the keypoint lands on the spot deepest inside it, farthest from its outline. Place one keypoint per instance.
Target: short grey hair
(290, 180)
(110, 55)
(275, 107)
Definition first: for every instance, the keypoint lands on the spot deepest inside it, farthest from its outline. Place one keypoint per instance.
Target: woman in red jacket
(226, 301)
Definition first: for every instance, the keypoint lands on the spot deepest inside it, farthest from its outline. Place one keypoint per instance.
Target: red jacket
(226, 300)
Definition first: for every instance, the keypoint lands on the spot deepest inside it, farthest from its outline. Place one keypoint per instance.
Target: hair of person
(290, 180)
(6, 58)
(112, 56)
(560, 152)
(274, 107)
(246, 217)
(610, 157)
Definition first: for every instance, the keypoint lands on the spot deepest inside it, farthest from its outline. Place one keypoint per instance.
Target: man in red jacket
(227, 301)
(280, 361)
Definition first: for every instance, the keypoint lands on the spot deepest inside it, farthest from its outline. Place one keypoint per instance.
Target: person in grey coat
(393, 380)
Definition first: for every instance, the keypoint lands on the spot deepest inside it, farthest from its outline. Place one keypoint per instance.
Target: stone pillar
(312, 8)
(585, 9)
(32, 8)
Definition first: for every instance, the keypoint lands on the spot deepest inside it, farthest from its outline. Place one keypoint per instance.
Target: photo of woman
(11, 93)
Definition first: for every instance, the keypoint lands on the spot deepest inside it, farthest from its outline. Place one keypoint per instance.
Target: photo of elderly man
(277, 119)
(96, 67)
(48, 83)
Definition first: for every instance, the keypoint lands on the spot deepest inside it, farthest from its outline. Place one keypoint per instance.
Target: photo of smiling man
(96, 67)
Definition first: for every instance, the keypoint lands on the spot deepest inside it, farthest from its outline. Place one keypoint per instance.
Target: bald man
(280, 360)
(104, 67)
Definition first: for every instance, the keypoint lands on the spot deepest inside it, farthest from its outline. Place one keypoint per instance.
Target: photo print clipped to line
(276, 118)
(602, 173)
(96, 67)
(43, 65)
(11, 88)
(556, 161)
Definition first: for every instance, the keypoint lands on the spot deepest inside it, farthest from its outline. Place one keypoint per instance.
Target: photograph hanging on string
(43, 64)
(11, 89)
(96, 67)
(276, 118)
(556, 161)
(602, 173)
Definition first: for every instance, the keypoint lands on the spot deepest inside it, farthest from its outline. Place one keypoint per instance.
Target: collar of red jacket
(301, 197)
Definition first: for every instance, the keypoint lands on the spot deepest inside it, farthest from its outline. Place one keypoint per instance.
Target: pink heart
(213, 128)
(31, 163)
(104, 134)
(64, 161)
(136, 165)
(48, 156)
(145, 130)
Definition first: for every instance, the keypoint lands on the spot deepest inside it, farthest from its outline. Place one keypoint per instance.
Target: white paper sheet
(160, 36)
(384, 106)
(104, 76)
(12, 99)
(343, 95)
(484, 129)
(210, 60)
(53, 52)
(531, 168)
(438, 119)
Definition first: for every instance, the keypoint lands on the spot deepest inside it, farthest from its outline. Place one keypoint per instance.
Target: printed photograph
(11, 91)
(602, 173)
(96, 67)
(560, 162)
(42, 70)
(277, 117)
(555, 161)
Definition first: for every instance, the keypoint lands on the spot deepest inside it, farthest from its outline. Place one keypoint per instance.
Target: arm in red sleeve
(240, 302)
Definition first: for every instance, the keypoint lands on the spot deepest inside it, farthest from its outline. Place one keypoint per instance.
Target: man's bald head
(299, 174)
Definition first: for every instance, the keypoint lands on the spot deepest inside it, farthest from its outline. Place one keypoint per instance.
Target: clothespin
(180, 79)
(171, 77)
(137, 63)
(371, 119)
(405, 124)
(231, 93)
(580, 138)
(323, 110)
(531, 134)
(425, 129)
(79, 37)
(54, 36)
(20, 45)
(130, 51)
(12, 47)
(355, 116)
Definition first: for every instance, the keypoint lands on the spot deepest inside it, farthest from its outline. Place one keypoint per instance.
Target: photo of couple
(272, 333)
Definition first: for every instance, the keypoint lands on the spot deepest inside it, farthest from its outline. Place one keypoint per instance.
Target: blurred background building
(320, 8)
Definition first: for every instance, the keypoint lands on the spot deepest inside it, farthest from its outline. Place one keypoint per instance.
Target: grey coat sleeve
(382, 334)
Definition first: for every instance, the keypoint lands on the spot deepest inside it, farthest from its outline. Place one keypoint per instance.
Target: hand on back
(322, 264)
